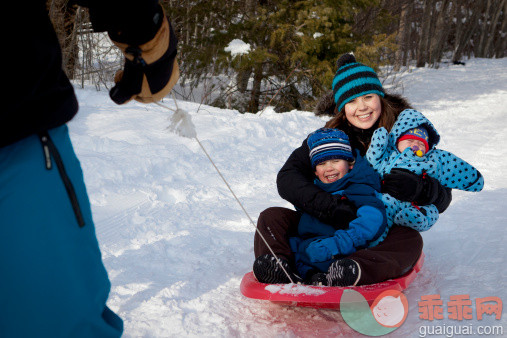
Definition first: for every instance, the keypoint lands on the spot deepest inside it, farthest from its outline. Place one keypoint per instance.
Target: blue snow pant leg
(52, 279)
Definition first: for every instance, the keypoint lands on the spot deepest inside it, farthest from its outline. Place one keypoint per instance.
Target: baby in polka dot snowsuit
(411, 145)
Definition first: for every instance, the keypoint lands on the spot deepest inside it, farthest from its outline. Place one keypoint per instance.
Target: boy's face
(410, 143)
(332, 170)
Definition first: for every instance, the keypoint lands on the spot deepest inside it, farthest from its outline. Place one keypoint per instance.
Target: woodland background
(293, 44)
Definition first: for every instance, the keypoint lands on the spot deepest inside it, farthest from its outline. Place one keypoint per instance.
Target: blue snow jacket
(450, 170)
(318, 244)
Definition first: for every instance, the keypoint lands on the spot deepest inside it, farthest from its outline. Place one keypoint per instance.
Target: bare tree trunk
(502, 46)
(488, 50)
(71, 43)
(479, 47)
(242, 78)
(459, 29)
(469, 27)
(422, 55)
(243, 75)
(440, 35)
(188, 29)
(402, 37)
(256, 90)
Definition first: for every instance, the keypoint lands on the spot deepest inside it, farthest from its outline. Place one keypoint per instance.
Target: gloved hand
(342, 213)
(321, 250)
(150, 70)
(406, 186)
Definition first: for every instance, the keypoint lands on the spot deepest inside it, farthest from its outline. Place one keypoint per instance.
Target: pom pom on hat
(327, 144)
(353, 79)
(345, 59)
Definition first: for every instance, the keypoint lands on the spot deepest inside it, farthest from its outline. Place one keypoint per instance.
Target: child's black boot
(319, 279)
(343, 272)
(267, 270)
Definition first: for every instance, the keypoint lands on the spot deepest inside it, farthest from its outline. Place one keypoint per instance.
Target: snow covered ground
(176, 244)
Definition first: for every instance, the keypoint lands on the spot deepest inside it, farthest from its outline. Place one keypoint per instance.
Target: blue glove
(321, 250)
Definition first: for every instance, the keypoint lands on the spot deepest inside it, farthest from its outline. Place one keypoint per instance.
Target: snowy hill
(176, 244)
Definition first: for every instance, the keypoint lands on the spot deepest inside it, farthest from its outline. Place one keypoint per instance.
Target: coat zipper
(50, 149)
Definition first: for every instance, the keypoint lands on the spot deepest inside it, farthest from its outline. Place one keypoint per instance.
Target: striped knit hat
(354, 79)
(327, 144)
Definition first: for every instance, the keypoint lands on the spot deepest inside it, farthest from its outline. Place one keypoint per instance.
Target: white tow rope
(181, 124)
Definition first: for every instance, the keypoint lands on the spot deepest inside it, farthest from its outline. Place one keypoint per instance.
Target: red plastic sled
(322, 297)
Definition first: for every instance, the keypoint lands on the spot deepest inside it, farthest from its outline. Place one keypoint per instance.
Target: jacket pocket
(51, 152)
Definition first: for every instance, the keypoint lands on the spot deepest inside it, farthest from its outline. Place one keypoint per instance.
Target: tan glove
(151, 69)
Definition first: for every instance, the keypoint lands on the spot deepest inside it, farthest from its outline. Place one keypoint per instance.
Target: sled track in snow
(107, 228)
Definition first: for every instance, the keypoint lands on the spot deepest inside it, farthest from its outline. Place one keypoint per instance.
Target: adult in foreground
(360, 106)
(53, 282)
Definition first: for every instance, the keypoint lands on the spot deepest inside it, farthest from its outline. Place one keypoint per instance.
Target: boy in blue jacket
(411, 146)
(339, 172)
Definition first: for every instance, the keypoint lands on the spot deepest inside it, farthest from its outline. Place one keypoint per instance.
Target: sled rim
(321, 296)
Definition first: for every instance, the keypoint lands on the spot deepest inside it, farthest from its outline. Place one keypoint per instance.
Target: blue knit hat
(327, 144)
(354, 79)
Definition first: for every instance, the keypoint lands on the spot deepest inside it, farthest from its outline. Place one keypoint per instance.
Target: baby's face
(332, 170)
(411, 143)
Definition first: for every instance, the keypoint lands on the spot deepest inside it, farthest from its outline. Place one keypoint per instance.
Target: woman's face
(363, 111)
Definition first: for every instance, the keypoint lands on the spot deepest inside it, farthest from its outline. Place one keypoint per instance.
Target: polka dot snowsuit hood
(450, 170)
